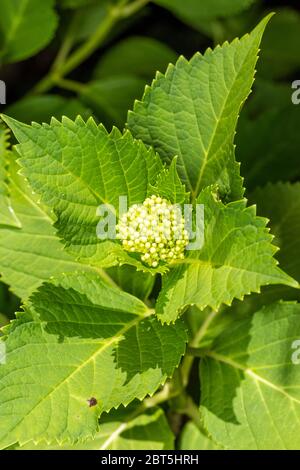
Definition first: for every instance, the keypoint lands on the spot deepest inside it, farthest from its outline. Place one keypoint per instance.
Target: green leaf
(111, 97)
(88, 340)
(264, 159)
(7, 214)
(31, 253)
(136, 283)
(280, 46)
(43, 108)
(169, 186)
(250, 385)
(236, 259)
(281, 204)
(192, 112)
(192, 438)
(149, 431)
(194, 12)
(26, 26)
(77, 167)
(134, 56)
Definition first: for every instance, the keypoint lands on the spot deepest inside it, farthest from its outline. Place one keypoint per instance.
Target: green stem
(196, 352)
(189, 359)
(67, 43)
(90, 46)
(192, 411)
(134, 7)
(71, 85)
(63, 66)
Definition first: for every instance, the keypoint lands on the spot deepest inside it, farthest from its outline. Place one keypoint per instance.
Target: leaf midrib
(115, 339)
(218, 120)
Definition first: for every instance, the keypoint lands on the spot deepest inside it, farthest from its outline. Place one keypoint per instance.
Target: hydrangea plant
(110, 327)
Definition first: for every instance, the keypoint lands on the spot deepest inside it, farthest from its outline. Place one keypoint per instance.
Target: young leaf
(169, 186)
(95, 348)
(77, 167)
(236, 259)
(192, 112)
(149, 431)
(32, 252)
(250, 382)
(26, 26)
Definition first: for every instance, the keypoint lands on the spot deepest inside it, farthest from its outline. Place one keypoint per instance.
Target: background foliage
(94, 58)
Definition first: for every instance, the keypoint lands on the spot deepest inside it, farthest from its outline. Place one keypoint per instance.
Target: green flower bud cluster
(156, 229)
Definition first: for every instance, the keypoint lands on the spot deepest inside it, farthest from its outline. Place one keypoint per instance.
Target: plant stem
(71, 85)
(193, 413)
(132, 8)
(195, 352)
(67, 43)
(83, 52)
(189, 359)
(62, 66)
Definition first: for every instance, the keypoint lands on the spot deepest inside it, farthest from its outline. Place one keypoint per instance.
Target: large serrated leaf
(77, 167)
(79, 340)
(192, 112)
(148, 431)
(280, 202)
(7, 215)
(250, 382)
(31, 252)
(236, 259)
